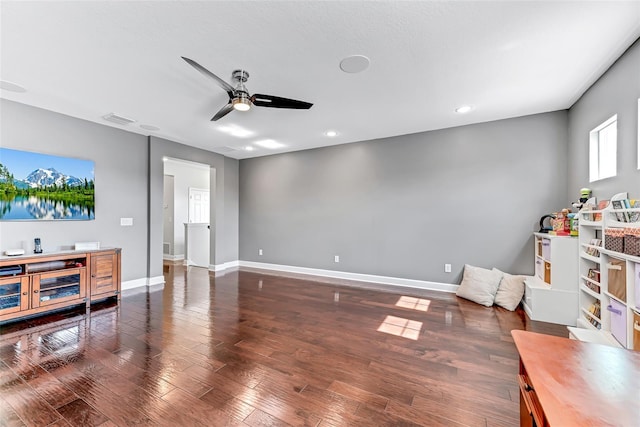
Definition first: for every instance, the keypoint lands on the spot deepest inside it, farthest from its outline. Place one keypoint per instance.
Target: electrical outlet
(336, 258)
(447, 268)
(260, 252)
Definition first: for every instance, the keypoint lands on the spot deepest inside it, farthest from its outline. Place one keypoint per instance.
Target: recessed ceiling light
(269, 143)
(150, 127)
(249, 148)
(354, 64)
(12, 87)
(464, 109)
(331, 133)
(235, 130)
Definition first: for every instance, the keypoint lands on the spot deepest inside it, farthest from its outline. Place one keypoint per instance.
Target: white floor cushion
(479, 285)
(510, 291)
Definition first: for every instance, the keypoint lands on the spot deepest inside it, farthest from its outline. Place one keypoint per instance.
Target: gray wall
(120, 175)
(617, 91)
(129, 183)
(405, 206)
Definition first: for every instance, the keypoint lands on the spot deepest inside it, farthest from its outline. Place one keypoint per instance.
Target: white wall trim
(144, 281)
(155, 280)
(224, 266)
(136, 283)
(168, 257)
(394, 281)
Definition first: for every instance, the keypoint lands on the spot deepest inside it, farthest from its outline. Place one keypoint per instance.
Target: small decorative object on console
(38, 246)
(14, 252)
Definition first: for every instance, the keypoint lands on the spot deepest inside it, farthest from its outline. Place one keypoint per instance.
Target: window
(603, 150)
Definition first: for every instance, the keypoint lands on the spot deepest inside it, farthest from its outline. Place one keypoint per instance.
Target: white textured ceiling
(506, 58)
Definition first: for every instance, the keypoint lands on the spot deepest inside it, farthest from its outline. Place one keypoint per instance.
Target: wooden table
(566, 382)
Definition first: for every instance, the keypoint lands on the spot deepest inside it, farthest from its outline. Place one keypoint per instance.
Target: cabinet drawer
(104, 275)
(530, 408)
(617, 279)
(546, 249)
(14, 294)
(58, 287)
(547, 272)
(539, 267)
(618, 313)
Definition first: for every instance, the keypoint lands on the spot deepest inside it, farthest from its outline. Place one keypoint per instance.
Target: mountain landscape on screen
(48, 177)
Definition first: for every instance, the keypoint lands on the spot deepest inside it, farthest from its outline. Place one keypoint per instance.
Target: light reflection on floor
(401, 327)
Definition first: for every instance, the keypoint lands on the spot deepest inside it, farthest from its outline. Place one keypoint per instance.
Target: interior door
(198, 205)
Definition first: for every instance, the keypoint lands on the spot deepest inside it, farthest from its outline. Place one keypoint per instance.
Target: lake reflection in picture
(36, 186)
(32, 207)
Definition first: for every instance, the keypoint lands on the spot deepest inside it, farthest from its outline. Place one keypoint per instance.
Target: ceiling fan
(239, 98)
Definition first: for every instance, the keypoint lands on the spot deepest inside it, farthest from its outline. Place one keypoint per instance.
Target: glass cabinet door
(14, 294)
(58, 286)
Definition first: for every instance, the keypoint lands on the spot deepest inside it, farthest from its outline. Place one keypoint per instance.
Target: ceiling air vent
(224, 149)
(114, 118)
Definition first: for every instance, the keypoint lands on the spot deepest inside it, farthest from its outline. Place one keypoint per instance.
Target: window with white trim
(603, 142)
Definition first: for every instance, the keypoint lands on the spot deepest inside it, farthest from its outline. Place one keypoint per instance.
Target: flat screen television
(42, 187)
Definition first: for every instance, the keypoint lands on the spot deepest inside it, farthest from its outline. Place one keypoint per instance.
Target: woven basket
(632, 244)
(614, 239)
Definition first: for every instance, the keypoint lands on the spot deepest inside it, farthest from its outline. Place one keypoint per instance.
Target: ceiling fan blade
(278, 102)
(224, 85)
(223, 112)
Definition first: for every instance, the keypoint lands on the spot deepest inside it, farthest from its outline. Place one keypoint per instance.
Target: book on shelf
(619, 205)
(595, 310)
(592, 249)
(634, 204)
(601, 205)
(595, 288)
(626, 216)
(594, 274)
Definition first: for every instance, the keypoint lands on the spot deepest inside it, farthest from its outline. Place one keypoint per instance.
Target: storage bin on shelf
(546, 249)
(637, 285)
(632, 241)
(617, 281)
(636, 331)
(614, 239)
(618, 313)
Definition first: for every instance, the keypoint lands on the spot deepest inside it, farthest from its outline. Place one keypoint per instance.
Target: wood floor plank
(23, 400)
(359, 395)
(227, 403)
(254, 348)
(79, 413)
(198, 409)
(9, 417)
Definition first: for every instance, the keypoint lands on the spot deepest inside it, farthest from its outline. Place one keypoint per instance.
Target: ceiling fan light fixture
(241, 103)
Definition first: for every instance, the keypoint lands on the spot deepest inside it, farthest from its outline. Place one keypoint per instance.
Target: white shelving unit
(551, 295)
(618, 322)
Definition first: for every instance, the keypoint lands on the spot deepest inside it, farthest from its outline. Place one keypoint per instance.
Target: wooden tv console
(35, 284)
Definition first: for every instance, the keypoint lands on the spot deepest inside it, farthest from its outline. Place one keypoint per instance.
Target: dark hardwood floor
(254, 349)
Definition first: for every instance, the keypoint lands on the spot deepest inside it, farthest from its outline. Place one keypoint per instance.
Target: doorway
(187, 213)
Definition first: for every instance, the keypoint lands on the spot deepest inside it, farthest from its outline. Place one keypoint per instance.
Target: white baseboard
(132, 284)
(145, 281)
(168, 257)
(224, 266)
(155, 280)
(393, 281)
